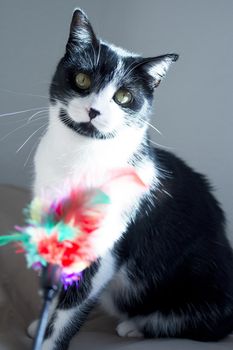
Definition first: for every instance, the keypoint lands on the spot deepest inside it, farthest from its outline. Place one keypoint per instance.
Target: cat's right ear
(157, 67)
(81, 32)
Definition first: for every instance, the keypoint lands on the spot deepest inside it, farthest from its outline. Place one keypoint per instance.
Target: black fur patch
(177, 252)
(74, 296)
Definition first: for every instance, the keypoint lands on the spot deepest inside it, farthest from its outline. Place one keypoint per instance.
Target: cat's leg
(65, 324)
(74, 304)
(200, 322)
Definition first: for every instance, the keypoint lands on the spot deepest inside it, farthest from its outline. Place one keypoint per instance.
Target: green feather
(100, 198)
(22, 237)
(65, 232)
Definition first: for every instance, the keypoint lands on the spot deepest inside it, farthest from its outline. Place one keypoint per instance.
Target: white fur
(111, 116)
(64, 154)
(128, 328)
(118, 285)
(63, 318)
(82, 35)
(32, 328)
(103, 276)
(159, 70)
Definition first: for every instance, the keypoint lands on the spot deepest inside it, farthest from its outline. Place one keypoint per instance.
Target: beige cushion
(20, 304)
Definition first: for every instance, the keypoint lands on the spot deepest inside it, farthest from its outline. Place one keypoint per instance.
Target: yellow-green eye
(123, 97)
(83, 81)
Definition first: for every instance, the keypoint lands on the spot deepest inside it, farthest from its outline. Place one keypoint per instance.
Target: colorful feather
(60, 232)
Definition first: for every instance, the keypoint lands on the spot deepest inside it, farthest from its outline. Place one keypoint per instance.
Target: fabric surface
(20, 303)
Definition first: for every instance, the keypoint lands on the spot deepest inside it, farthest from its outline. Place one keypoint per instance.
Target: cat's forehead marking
(115, 62)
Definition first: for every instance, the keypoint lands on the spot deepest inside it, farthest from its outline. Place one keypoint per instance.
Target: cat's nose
(93, 113)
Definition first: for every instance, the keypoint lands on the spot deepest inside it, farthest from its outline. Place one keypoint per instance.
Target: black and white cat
(166, 267)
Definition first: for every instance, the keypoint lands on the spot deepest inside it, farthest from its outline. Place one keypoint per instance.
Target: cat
(165, 266)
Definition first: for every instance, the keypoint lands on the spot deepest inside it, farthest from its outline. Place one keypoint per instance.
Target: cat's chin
(84, 129)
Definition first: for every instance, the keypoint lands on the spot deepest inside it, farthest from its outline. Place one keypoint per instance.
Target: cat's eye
(123, 97)
(83, 81)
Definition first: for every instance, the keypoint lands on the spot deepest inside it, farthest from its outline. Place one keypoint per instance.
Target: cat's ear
(157, 67)
(81, 32)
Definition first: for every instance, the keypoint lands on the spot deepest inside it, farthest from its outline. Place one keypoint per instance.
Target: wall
(193, 105)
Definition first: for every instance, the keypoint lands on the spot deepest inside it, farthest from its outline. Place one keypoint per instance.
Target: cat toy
(59, 236)
(59, 232)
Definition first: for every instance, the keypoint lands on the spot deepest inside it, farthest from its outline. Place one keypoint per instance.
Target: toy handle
(50, 282)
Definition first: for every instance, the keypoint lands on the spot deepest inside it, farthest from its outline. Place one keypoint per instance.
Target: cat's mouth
(84, 128)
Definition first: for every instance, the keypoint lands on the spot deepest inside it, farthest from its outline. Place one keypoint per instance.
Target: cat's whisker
(23, 93)
(42, 82)
(32, 116)
(12, 132)
(41, 117)
(159, 145)
(129, 69)
(94, 63)
(48, 83)
(42, 126)
(132, 66)
(23, 111)
(152, 126)
(20, 127)
(31, 151)
(20, 119)
(98, 57)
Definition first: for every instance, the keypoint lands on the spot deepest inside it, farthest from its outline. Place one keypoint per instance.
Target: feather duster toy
(58, 236)
(60, 232)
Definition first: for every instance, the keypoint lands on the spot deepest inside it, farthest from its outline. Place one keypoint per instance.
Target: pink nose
(93, 113)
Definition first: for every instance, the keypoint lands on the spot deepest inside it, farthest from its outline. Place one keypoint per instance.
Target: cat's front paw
(48, 344)
(32, 328)
(128, 328)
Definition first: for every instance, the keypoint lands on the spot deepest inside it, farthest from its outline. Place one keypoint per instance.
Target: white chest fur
(63, 154)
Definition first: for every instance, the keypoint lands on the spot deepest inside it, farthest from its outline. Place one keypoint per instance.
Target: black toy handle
(50, 283)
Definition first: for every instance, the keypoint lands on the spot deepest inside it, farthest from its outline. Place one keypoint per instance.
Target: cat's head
(101, 89)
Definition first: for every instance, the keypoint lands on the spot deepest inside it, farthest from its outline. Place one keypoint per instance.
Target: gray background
(193, 105)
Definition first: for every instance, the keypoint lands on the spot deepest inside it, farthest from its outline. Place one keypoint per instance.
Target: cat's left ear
(157, 67)
(81, 32)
